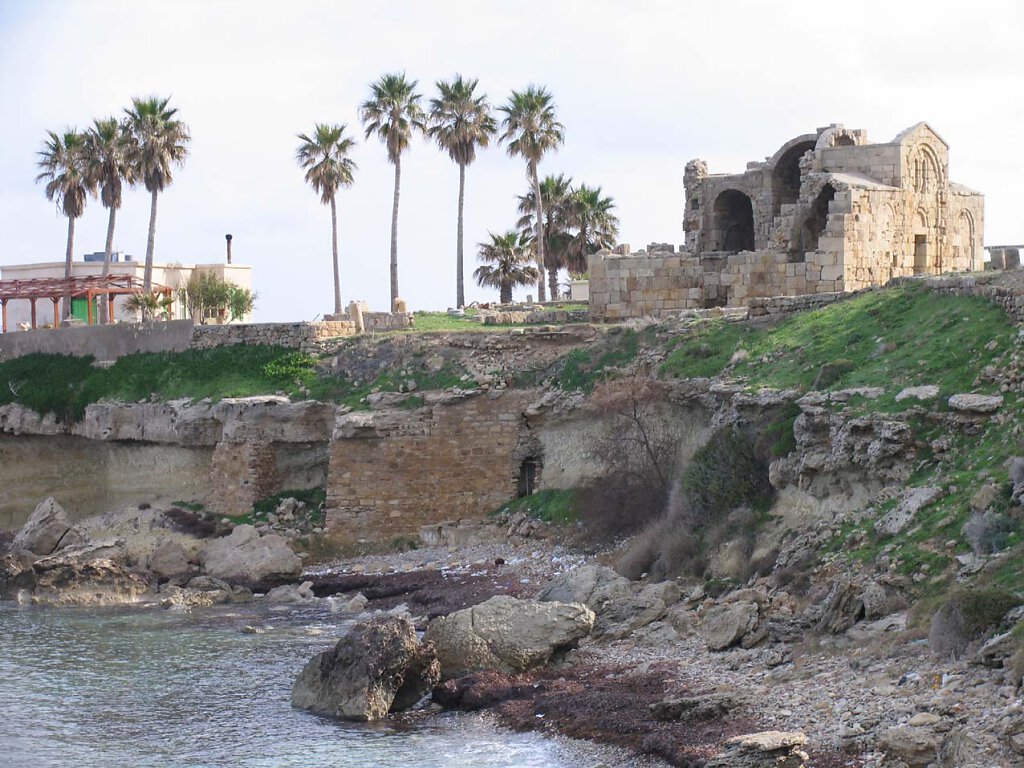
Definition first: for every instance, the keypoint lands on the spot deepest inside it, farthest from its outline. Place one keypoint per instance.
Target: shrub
(724, 474)
(196, 525)
(968, 615)
(988, 532)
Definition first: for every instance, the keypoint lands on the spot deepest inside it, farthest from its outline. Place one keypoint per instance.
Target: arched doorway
(965, 237)
(786, 176)
(734, 222)
(816, 220)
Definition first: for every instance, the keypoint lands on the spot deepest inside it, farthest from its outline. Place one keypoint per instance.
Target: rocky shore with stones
(544, 636)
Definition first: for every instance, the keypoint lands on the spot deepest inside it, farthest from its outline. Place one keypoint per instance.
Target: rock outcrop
(244, 557)
(768, 749)
(376, 668)
(506, 634)
(43, 530)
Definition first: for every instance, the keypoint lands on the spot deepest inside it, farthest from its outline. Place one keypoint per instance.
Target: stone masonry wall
(306, 337)
(443, 462)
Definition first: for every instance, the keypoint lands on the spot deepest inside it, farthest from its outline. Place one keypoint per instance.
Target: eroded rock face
(506, 634)
(44, 529)
(90, 575)
(245, 557)
(376, 668)
(768, 749)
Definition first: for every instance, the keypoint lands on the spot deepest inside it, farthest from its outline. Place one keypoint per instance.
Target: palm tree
(108, 148)
(530, 130)
(596, 226)
(324, 155)
(63, 168)
(460, 121)
(555, 192)
(510, 266)
(160, 142)
(393, 113)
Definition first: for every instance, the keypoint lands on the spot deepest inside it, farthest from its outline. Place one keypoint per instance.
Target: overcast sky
(641, 87)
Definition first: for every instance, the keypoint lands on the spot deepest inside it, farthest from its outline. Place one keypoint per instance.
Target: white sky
(641, 87)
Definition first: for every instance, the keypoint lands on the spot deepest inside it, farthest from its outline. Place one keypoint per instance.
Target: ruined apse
(828, 212)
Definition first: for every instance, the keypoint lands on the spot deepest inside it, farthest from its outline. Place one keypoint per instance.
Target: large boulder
(915, 746)
(376, 668)
(43, 531)
(506, 634)
(620, 605)
(245, 557)
(726, 625)
(94, 574)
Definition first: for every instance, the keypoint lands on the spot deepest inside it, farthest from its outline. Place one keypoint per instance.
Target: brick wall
(446, 462)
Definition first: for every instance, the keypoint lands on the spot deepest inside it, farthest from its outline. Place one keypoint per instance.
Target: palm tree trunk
(460, 286)
(539, 232)
(505, 293)
(68, 256)
(394, 235)
(147, 275)
(107, 251)
(553, 284)
(334, 247)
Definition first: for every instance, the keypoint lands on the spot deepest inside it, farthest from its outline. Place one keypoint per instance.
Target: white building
(173, 276)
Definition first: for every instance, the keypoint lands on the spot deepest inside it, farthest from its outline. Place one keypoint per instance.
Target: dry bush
(968, 615)
(988, 532)
(640, 453)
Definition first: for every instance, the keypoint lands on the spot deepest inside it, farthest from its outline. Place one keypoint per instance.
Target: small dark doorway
(529, 477)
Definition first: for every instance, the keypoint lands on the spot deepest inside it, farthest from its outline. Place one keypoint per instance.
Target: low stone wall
(386, 321)
(104, 342)
(306, 337)
(784, 305)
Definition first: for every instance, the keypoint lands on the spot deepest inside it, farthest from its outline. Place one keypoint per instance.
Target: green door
(80, 309)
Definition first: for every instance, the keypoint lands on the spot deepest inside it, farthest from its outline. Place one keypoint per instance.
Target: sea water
(132, 687)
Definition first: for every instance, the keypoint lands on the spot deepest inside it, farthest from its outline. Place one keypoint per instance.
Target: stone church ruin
(828, 213)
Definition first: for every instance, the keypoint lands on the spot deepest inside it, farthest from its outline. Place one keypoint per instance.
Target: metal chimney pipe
(228, 238)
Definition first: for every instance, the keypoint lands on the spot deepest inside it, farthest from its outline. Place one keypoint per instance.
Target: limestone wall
(89, 477)
(306, 337)
(389, 475)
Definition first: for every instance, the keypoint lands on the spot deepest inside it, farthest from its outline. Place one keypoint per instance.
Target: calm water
(139, 688)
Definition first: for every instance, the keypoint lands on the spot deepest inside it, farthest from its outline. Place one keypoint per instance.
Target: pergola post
(110, 308)
(3, 311)
(88, 299)
(33, 303)
(56, 313)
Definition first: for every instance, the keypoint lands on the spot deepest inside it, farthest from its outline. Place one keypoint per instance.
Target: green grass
(551, 506)
(342, 390)
(584, 367)
(890, 338)
(65, 385)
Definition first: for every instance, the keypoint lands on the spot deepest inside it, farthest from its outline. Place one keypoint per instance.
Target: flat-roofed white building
(173, 276)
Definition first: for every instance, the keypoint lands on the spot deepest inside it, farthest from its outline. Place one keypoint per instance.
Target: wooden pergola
(57, 288)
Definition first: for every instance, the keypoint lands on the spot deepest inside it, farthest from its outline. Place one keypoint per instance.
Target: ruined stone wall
(307, 337)
(388, 477)
(659, 284)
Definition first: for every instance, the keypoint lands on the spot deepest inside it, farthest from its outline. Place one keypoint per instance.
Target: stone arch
(816, 220)
(838, 136)
(965, 239)
(786, 173)
(734, 221)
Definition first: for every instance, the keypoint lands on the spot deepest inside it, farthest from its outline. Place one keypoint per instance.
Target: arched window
(734, 222)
